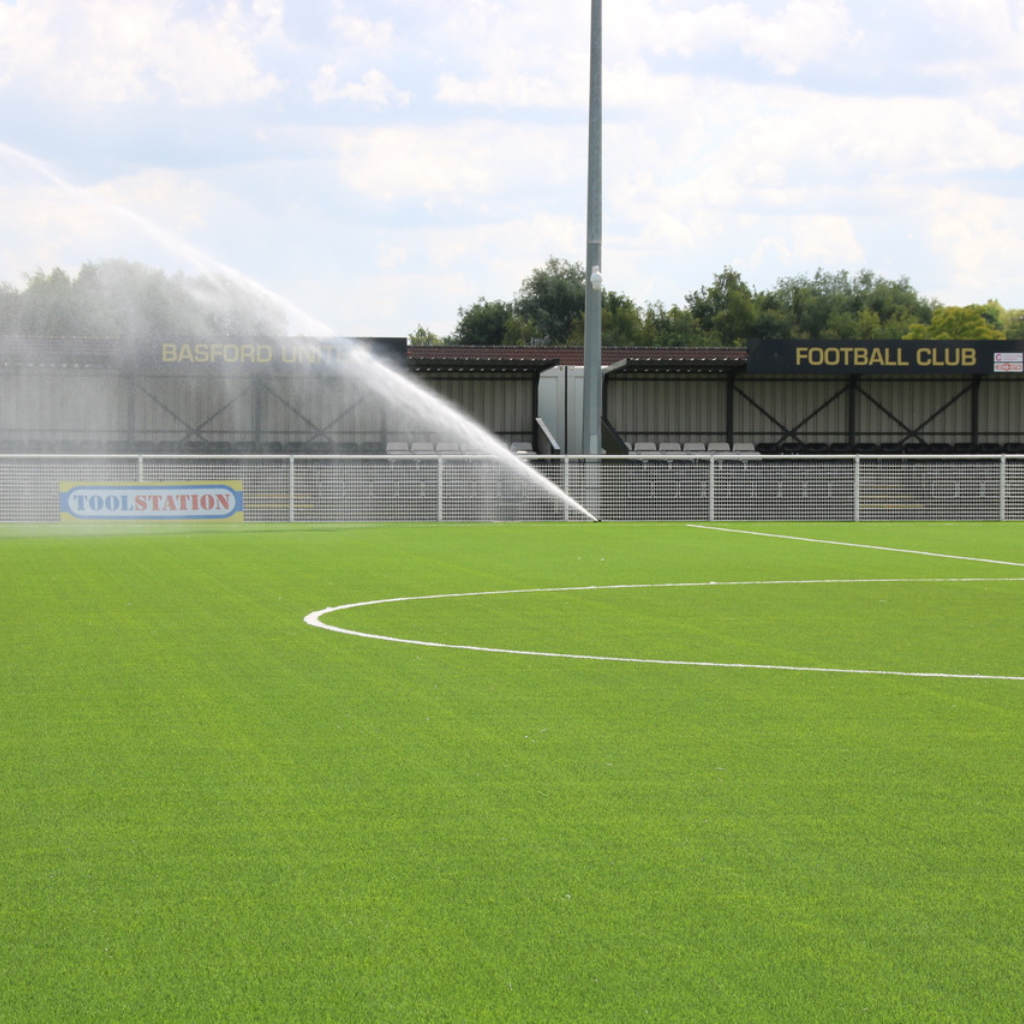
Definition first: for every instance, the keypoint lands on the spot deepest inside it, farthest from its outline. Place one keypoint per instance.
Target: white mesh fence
(468, 489)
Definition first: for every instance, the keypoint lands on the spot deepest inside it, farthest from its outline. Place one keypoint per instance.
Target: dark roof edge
(572, 356)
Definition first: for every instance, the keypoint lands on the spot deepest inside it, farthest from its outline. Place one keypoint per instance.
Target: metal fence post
(291, 488)
(1002, 488)
(711, 488)
(856, 488)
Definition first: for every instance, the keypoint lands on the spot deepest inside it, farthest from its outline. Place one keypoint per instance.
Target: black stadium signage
(961, 358)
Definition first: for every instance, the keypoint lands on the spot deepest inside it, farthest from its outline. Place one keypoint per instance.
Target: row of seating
(892, 448)
(644, 449)
(426, 449)
(747, 448)
(209, 447)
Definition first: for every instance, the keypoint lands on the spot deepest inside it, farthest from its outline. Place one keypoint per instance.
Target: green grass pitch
(212, 811)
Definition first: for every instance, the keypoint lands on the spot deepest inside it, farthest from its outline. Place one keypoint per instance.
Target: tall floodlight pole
(592, 385)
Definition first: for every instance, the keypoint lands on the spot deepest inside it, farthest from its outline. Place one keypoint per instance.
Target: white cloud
(507, 90)
(361, 35)
(25, 43)
(825, 240)
(980, 239)
(108, 52)
(803, 32)
(470, 162)
(988, 33)
(374, 89)
(516, 54)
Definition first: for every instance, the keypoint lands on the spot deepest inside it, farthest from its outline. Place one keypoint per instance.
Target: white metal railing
(456, 488)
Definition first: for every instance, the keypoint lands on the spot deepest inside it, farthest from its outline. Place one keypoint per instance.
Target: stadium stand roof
(450, 358)
(71, 352)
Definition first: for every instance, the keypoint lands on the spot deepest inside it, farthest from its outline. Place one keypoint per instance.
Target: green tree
(484, 323)
(120, 299)
(552, 299)
(840, 305)
(48, 305)
(421, 336)
(957, 323)
(622, 323)
(725, 312)
(670, 328)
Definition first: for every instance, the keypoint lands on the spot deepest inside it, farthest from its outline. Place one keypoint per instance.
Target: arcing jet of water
(389, 384)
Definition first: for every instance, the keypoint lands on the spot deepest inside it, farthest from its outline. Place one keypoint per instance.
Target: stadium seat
(669, 446)
(745, 450)
(398, 448)
(644, 449)
(694, 447)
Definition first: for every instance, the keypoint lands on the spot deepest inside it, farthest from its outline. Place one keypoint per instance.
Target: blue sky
(381, 163)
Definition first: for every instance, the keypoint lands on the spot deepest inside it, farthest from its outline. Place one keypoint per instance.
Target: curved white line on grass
(314, 619)
(851, 544)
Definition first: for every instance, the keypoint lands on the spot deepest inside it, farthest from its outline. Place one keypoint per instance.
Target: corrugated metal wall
(46, 405)
(506, 406)
(815, 409)
(1001, 408)
(652, 407)
(38, 406)
(763, 409)
(939, 410)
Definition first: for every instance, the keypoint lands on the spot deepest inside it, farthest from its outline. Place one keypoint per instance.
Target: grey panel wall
(940, 410)
(93, 406)
(53, 406)
(506, 406)
(668, 409)
(765, 408)
(1001, 408)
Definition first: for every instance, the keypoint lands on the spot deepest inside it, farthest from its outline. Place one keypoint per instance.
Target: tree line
(863, 306)
(121, 299)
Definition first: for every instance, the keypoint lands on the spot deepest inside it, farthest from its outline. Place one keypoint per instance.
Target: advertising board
(219, 501)
(927, 358)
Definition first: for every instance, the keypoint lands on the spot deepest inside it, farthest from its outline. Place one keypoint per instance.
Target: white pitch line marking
(851, 544)
(314, 619)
